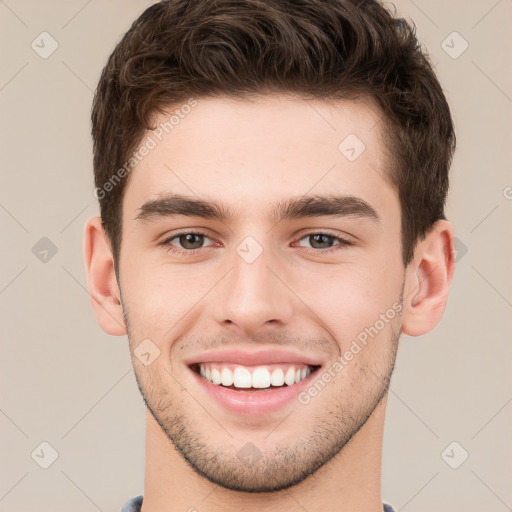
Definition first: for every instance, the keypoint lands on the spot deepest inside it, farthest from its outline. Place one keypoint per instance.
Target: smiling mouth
(253, 378)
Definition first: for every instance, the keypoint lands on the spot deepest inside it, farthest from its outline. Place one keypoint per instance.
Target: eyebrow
(318, 205)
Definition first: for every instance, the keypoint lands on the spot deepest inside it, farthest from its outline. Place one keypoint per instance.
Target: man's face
(263, 279)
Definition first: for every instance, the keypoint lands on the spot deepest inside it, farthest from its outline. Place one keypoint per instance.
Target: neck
(350, 481)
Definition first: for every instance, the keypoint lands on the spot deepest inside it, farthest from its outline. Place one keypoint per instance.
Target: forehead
(253, 154)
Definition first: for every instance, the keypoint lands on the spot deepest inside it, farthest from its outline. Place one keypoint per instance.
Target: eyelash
(171, 248)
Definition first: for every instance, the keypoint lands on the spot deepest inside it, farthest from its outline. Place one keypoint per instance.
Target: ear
(428, 279)
(103, 288)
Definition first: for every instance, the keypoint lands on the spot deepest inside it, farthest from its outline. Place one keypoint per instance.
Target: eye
(186, 242)
(319, 241)
(191, 242)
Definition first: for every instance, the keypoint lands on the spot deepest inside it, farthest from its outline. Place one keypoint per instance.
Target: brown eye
(191, 240)
(187, 242)
(321, 241)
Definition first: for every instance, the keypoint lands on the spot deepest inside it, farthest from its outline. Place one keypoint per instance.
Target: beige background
(64, 382)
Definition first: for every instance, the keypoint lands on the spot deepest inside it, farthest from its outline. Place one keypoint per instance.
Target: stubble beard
(284, 466)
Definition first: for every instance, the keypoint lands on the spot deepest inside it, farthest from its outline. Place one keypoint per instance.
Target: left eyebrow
(325, 206)
(330, 205)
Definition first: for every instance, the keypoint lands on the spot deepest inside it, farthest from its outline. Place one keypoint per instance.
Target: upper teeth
(255, 377)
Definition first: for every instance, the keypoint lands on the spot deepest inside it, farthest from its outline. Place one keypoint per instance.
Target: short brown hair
(321, 49)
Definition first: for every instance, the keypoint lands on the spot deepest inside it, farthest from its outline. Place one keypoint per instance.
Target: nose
(254, 296)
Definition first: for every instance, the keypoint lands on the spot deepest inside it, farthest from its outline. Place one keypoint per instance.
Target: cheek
(158, 296)
(351, 297)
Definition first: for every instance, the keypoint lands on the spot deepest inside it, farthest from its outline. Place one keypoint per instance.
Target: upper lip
(246, 357)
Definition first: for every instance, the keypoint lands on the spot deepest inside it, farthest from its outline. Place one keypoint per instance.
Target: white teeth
(216, 379)
(242, 377)
(261, 377)
(226, 377)
(277, 377)
(289, 378)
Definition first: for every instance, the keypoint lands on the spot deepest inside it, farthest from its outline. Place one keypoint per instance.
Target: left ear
(428, 279)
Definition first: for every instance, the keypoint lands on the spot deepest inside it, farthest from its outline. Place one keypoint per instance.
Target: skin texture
(251, 156)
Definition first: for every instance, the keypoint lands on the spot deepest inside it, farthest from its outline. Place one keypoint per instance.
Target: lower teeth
(251, 389)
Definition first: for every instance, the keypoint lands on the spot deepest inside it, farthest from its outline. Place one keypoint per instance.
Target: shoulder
(133, 505)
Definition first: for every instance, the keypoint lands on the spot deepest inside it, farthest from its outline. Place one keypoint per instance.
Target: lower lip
(253, 403)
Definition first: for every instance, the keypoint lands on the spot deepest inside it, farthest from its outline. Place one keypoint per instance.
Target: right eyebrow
(177, 204)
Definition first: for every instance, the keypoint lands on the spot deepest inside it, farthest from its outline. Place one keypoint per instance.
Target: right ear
(101, 278)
